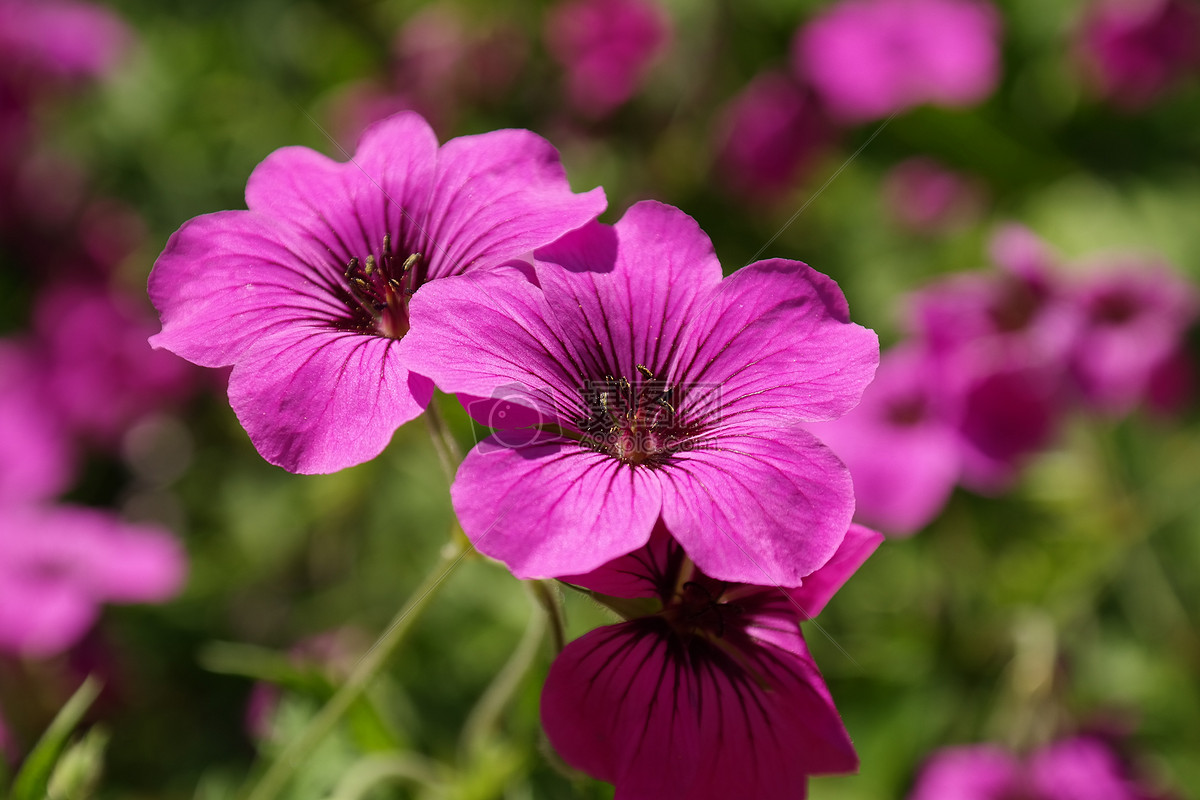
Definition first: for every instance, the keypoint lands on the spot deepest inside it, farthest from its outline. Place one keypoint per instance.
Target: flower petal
(546, 506)
(777, 339)
(491, 334)
(764, 505)
(315, 400)
(627, 291)
(226, 280)
(664, 717)
(822, 584)
(497, 196)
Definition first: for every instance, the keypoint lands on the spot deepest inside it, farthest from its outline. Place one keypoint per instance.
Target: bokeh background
(1069, 602)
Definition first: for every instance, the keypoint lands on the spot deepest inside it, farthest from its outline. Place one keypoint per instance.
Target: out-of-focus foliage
(1072, 600)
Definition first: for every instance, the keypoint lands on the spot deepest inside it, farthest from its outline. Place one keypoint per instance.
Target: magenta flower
(902, 452)
(1136, 50)
(101, 374)
(58, 564)
(59, 38)
(869, 58)
(36, 461)
(606, 46)
(1135, 314)
(711, 693)
(999, 342)
(1083, 768)
(306, 294)
(929, 198)
(664, 391)
(768, 134)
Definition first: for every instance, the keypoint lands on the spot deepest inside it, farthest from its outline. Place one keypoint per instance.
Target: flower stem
(284, 767)
(448, 452)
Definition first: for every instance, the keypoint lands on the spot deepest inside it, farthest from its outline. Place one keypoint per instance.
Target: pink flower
(663, 389)
(101, 374)
(306, 294)
(999, 343)
(58, 564)
(36, 461)
(767, 135)
(904, 455)
(869, 58)
(1135, 49)
(59, 38)
(926, 197)
(1135, 313)
(1083, 768)
(606, 46)
(711, 693)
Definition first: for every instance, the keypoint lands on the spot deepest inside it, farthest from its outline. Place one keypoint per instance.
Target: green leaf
(33, 780)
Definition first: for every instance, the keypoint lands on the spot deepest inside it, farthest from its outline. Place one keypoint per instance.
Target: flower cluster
(79, 376)
(646, 408)
(996, 360)
(1083, 766)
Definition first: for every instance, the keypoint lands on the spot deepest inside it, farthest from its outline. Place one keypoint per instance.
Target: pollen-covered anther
(634, 421)
(381, 287)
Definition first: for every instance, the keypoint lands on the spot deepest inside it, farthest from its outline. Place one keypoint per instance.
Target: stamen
(381, 290)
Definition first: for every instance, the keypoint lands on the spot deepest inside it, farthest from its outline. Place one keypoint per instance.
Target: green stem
(549, 597)
(284, 767)
(448, 452)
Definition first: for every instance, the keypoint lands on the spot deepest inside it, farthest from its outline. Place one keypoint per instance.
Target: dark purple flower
(903, 453)
(664, 391)
(606, 47)
(36, 461)
(711, 693)
(768, 134)
(869, 58)
(1083, 768)
(306, 294)
(1134, 314)
(1136, 50)
(58, 564)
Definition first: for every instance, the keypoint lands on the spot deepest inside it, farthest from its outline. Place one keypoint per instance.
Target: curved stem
(284, 767)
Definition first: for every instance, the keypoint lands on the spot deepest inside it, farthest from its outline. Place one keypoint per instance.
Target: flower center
(380, 289)
(698, 609)
(634, 421)
(1015, 308)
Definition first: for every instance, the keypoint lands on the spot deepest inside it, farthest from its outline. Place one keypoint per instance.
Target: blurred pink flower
(1083, 768)
(1135, 49)
(59, 563)
(927, 197)
(869, 58)
(711, 693)
(903, 454)
(606, 47)
(999, 343)
(1134, 315)
(59, 38)
(102, 374)
(36, 461)
(768, 134)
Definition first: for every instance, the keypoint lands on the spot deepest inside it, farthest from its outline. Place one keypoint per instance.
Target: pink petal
(822, 584)
(316, 400)
(777, 339)
(765, 505)
(549, 507)
(631, 288)
(981, 772)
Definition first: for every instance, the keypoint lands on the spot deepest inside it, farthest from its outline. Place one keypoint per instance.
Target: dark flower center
(1015, 308)
(905, 412)
(698, 609)
(1114, 309)
(379, 290)
(635, 421)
